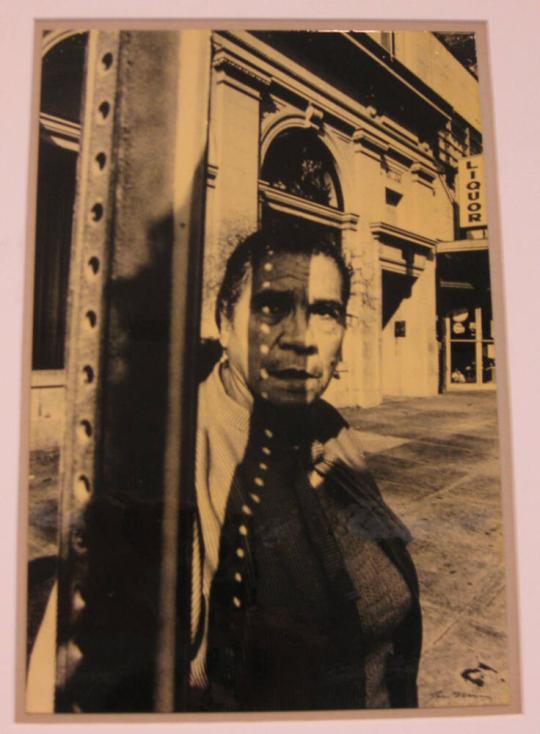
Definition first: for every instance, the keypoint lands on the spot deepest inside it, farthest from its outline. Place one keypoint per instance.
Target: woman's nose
(297, 332)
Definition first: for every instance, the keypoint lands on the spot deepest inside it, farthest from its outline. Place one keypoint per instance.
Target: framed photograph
(264, 452)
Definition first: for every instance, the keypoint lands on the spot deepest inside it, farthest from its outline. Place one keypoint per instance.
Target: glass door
(469, 348)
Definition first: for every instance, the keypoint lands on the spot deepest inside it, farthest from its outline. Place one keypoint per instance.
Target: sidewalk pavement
(436, 463)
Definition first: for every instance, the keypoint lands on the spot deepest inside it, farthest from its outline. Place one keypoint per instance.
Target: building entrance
(465, 319)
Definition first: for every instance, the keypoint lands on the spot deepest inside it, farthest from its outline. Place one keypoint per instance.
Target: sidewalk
(436, 463)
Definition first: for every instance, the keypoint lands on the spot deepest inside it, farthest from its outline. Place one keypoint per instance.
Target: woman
(304, 595)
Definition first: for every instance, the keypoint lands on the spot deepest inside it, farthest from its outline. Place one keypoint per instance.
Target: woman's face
(284, 338)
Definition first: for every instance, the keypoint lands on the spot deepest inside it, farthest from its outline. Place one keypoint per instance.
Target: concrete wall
(47, 401)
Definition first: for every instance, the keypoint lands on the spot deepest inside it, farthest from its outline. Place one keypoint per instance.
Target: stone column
(233, 173)
(420, 358)
(368, 149)
(428, 222)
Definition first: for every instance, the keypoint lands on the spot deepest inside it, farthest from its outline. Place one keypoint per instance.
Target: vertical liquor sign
(471, 192)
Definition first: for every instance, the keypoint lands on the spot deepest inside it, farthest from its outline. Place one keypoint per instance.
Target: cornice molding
(423, 175)
(372, 143)
(290, 204)
(462, 246)
(230, 68)
(291, 78)
(365, 138)
(313, 117)
(400, 266)
(60, 125)
(385, 232)
(61, 132)
(403, 259)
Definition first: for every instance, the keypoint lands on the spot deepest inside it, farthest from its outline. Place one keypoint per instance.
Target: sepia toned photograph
(264, 459)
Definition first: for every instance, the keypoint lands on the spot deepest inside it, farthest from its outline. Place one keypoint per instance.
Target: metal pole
(133, 322)
(86, 321)
(447, 352)
(478, 346)
(190, 180)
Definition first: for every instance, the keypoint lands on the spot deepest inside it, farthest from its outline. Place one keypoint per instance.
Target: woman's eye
(327, 311)
(271, 307)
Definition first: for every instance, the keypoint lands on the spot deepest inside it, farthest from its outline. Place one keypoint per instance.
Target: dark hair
(300, 239)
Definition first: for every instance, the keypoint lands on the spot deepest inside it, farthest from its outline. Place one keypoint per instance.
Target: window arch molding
(58, 122)
(338, 218)
(287, 120)
(52, 39)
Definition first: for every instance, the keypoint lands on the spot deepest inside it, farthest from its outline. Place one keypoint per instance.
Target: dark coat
(285, 644)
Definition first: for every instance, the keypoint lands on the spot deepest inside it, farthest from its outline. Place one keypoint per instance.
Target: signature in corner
(458, 694)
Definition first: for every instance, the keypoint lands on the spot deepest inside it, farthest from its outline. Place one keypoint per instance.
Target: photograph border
(503, 376)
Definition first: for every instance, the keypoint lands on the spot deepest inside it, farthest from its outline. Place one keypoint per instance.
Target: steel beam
(128, 489)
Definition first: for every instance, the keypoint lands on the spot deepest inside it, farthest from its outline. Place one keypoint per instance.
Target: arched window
(62, 76)
(298, 179)
(299, 163)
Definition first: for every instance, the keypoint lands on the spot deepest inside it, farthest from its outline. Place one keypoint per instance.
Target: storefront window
(471, 347)
(463, 363)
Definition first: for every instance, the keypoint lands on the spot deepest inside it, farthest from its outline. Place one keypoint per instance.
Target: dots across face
(284, 337)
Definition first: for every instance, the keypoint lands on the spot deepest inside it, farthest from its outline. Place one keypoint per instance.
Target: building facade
(356, 134)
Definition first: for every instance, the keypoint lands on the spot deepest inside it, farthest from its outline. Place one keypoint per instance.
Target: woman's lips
(292, 373)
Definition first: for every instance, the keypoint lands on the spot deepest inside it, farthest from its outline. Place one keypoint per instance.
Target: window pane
(62, 78)
(56, 193)
(463, 363)
(297, 162)
(488, 363)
